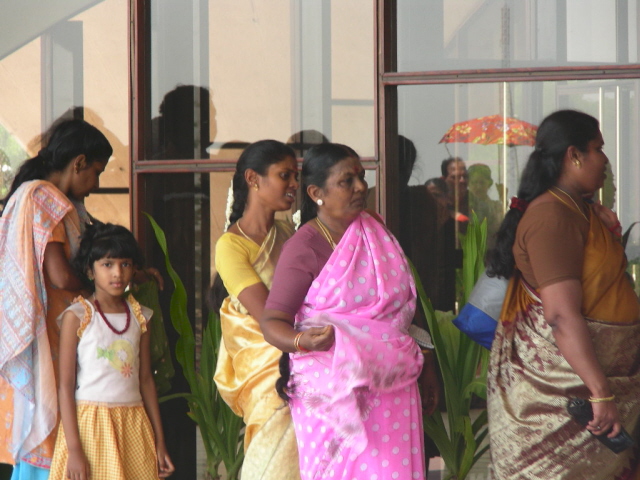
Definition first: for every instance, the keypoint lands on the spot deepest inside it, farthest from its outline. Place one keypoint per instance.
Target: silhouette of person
(480, 182)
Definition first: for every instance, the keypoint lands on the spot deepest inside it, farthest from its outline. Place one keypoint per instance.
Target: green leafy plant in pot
(220, 428)
(463, 365)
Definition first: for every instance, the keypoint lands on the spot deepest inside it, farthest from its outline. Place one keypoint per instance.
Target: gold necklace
(242, 231)
(325, 232)
(570, 198)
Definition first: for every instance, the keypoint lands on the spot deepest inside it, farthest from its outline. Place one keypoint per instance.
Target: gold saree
(246, 375)
(530, 382)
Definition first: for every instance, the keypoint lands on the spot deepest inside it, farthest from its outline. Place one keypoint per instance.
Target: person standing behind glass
(265, 182)
(480, 182)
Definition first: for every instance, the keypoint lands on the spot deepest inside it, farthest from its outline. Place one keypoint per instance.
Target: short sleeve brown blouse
(549, 245)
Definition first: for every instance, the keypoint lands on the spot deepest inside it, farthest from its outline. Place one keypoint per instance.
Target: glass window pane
(426, 113)
(234, 72)
(472, 34)
(70, 62)
(113, 208)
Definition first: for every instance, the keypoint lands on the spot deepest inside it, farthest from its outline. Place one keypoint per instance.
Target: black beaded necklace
(111, 327)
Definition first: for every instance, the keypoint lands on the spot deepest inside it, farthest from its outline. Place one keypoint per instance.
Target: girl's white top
(108, 364)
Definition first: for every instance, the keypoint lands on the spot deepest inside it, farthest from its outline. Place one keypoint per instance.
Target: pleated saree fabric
(247, 367)
(357, 407)
(36, 214)
(530, 382)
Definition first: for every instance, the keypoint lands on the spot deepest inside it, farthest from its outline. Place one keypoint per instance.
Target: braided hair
(316, 167)
(67, 140)
(258, 156)
(557, 132)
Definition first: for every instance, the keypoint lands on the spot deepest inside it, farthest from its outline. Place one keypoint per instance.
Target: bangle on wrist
(615, 227)
(602, 399)
(296, 343)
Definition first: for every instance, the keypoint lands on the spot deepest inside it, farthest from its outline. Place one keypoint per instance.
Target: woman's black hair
(66, 140)
(258, 156)
(316, 167)
(556, 134)
(315, 170)
(105, 240)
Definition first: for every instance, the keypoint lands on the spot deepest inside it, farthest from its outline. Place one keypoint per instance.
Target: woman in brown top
(569, 324)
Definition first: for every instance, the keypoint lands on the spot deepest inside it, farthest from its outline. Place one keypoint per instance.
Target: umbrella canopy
(492, 130)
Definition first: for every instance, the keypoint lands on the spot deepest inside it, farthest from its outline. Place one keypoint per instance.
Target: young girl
(107, 396)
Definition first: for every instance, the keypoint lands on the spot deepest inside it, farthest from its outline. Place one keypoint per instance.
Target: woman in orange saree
(39, 231)
(569, 326)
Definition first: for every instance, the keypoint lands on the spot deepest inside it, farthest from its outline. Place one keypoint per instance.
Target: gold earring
(255, 187)
(577, 163)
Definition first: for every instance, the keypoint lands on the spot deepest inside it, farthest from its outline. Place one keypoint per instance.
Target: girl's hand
(77, 465)
(605, 418)
(165, 467)
(147, 274)
(429, 385)
(317, 339)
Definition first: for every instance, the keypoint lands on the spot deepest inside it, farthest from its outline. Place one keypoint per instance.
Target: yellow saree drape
(246, 374)
(530, 382)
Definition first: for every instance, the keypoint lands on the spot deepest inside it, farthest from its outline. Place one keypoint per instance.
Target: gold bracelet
(602, 399)
(296, 340)
(296, 343)
(427, 350)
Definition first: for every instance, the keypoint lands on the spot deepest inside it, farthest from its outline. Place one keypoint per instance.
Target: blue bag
(479, 317)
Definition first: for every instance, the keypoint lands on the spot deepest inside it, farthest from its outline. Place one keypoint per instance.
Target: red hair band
(519, 204)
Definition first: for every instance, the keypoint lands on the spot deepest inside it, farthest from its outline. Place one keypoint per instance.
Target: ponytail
(556, 134)
(67, 140)
(35, 168)
(285, 375)
(258, 156)
(316, 166)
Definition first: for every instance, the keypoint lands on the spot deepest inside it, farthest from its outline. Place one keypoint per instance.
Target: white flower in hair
(297, 219)
(229, 209)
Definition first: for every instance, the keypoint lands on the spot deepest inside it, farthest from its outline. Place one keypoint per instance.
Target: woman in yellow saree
(569, 326)
(265, 182)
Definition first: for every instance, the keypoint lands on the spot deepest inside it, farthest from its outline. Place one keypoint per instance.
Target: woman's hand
(77, 465)
(609, 218)
(605, 418)
(317, 339)
(429, 385)
(165, 467)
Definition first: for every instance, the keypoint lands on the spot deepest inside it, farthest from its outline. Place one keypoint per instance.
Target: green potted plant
(463, 365)
(220, 428)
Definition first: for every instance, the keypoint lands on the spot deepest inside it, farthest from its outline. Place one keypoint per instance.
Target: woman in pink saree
(342, 302)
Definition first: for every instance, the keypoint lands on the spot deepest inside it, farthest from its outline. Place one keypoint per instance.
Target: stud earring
(255, 187)
(319, 202)
(577, 163)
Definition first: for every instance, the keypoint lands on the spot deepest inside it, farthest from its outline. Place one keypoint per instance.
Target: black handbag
(581, 411)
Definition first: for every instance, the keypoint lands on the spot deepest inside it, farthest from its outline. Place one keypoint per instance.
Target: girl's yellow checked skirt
(118, 442)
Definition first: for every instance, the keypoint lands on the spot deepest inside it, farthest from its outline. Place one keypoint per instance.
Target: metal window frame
(388, 80)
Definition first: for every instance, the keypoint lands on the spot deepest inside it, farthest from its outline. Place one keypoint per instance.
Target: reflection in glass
(278, 68)
(470, 34)
(426, 112)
